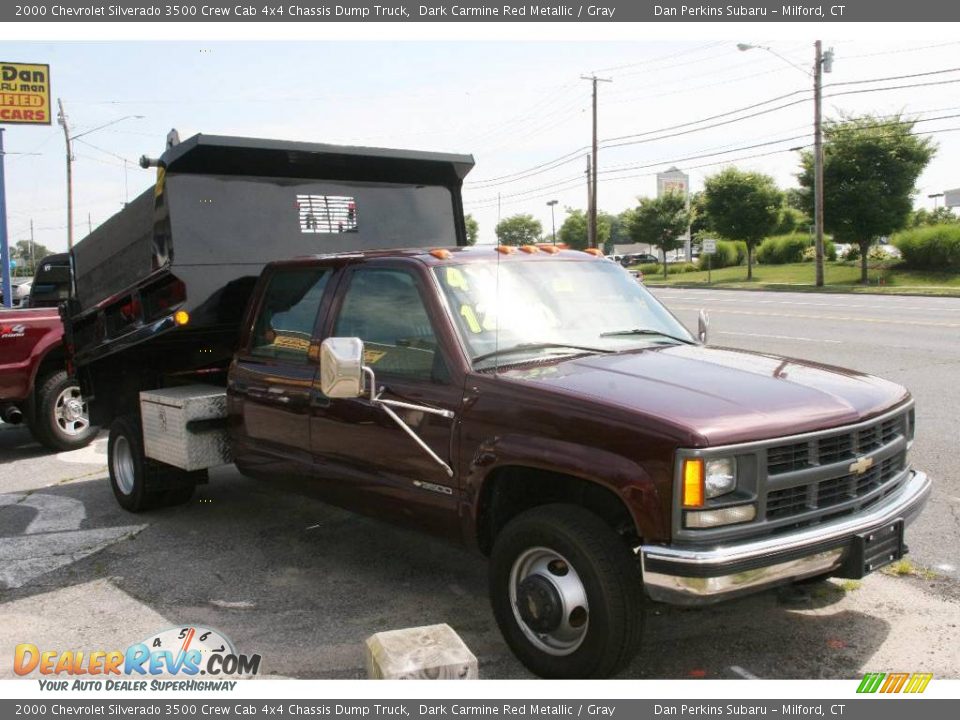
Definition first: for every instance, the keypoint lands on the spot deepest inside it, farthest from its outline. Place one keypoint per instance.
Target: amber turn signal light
(693, 482)
(181, 317)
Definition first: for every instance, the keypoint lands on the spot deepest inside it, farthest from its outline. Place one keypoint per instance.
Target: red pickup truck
(35, 387)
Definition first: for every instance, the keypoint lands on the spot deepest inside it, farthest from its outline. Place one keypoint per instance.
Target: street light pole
(62, 121)
(553, 222)
(823, 62)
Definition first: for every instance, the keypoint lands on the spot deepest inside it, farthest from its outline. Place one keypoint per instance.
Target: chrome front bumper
(693, 576)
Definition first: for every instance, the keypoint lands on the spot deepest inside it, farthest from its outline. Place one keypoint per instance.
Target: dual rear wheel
(139, 483)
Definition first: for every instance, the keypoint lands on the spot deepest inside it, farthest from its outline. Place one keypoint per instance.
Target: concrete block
(433, 652)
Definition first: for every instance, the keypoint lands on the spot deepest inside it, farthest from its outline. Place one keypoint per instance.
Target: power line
(573, 182)
(608, 142)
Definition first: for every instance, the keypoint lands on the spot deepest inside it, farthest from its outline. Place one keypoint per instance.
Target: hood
(722, 395)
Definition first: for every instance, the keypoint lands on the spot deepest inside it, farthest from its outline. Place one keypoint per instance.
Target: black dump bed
(222, 207)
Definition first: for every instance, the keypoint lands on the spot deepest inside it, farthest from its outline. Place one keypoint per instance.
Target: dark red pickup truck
(34, 385)
(538, 405)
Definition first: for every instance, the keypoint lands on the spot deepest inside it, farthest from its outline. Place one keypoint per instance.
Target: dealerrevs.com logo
(186, 652)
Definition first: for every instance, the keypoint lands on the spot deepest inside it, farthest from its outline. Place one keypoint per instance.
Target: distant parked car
(639, 259)
(21, 291)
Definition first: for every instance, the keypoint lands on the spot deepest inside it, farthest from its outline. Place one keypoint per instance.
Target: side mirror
(703, 326)
(341, 367)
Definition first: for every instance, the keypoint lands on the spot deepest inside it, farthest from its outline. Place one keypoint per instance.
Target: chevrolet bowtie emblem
(861, 465)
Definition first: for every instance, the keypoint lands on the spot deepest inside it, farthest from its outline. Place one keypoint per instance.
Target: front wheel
(139, 483)
(566, 593)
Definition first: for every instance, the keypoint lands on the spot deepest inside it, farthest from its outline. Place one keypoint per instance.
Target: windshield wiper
(522, 347)
(645, 331)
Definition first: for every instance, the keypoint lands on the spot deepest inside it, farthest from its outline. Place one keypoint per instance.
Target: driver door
(389, 475)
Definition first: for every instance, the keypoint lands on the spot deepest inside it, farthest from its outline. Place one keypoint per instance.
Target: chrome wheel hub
(70, 411)
(549, 601)
(121, 462)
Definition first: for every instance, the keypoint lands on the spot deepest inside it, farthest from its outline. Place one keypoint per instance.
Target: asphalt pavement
(304, 584)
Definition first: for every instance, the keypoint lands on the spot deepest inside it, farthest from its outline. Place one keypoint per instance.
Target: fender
(20, 370)
(626, 479)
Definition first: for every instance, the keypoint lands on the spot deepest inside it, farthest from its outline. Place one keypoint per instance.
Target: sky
(517, 106)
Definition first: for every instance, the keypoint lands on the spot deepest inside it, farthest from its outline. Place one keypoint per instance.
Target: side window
(284, 327)
(384, 309)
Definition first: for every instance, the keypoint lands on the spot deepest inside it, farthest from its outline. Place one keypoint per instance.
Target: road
(914, 341)
(304, 584)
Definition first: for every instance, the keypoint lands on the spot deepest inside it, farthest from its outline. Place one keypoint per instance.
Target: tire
(60, 418)
(561, 555)
(138, 483)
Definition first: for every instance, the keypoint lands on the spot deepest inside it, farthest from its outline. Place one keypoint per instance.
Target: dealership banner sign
(24, 93)
(227, 708)
(480, 11)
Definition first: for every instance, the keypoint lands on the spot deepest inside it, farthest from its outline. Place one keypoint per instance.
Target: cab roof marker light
(596, 252)
(505, 249)
(529, 249)
(550, 249)
(693, 491)
(441, 254)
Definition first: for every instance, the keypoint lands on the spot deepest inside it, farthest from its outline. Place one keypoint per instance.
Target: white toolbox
(186, 426)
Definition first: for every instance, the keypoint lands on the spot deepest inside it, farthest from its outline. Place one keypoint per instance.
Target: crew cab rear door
(390, 309)
(272, 377)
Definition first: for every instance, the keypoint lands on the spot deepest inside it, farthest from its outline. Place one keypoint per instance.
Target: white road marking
(234, 604)
(842, 318)
(952, 307)
(779, 337)
(745, 674)
(52, 539)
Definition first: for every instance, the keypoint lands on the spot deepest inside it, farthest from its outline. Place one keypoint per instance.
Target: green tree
(940, 216)
(699, 220)
(519, 230)
(743, 206)
(473, 228)
(662, 222)
(870, 170)
(573, 232)
(27, 255)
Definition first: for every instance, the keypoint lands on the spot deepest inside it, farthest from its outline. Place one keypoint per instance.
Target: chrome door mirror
(341, 367)
(703, 326)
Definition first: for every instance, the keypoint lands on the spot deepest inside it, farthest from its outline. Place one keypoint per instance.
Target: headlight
(720, 476)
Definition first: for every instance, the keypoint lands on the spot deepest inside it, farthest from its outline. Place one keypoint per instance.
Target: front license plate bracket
(873, 550)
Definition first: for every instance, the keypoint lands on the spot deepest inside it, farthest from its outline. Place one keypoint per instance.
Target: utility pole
(822, 64)
(553, 222)
(592, 218)
(62, 121)
(591, 229)
(33, 260)
(818, 161)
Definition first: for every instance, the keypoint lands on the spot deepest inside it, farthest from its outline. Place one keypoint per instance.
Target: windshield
(517, 311)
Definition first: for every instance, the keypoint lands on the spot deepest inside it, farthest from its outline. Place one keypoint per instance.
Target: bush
(829, 251)
(936, 247)
(728, 253)
(783, 249)
(672, 269)
(852, 253)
